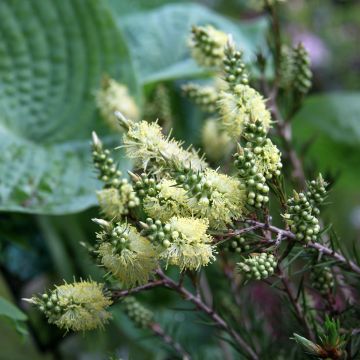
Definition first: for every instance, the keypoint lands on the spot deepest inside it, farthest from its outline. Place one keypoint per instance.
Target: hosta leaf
(335, 114)
(10, 311)
(330, 123)
(129, 7)
(158, 39)
(52, 57)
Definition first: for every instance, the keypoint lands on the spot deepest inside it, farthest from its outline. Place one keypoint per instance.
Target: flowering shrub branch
(175, 210)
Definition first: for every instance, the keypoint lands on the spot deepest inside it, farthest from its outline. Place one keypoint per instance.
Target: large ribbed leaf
(158, 39)
(52, 56)
(330, 123)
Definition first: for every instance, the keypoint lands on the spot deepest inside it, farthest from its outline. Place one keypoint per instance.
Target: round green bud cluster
(234, 67)
(104, 163)
(50, 305)
(255, 182)
(120, 239)
(258, 266)
(268, 157)
(302, 72)
(301, 219)
(316, 193)
(115, 234)
(158, 232)
(207, 45)
(286, 67)
(194, 183)
(237, 244)
(205, 97)
(144, 185)
(255, 135)
(322, 279)
(141, 316)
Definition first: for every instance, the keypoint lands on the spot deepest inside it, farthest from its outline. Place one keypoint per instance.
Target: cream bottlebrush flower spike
(116, 203)
(112, 97)
(181, 241)
(217, 197)
(78, 306)
(207, 45)
(146, 144)
(217, 144)
(239, 106)
(118, 196)
(205, 97)
(127, 255)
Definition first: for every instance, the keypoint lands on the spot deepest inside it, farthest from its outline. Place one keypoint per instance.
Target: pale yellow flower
(170, 201)
(242, 105)
(190, 247)
(112, 97)
(133, 263)
(78, 306)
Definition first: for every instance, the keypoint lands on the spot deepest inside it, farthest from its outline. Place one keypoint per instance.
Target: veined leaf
(52, 57)
(10, 311)
(330, 122)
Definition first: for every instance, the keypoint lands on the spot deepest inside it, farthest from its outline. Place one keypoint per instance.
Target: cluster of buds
(316, 193)
(205, 97)
(158, 233)
(238, 244)
(301, 219)
(194, 183)
(234, 67)
(144, 185)
(322, 279)
(255, 182)
(268, 158)
(108, 172)
(140, 315)
(118, 196)
(258, 266)
(207, 45)
(302, 75)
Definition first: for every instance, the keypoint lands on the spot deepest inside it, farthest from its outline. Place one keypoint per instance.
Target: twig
(298, 309)
(167, 339)
(283, 125)
(286, 234)
(209, 311)
(118, 294)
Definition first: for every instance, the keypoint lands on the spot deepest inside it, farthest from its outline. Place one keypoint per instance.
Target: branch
(209, 311)
(118, 294)
(298, 309)
(286, 234)
(167, 339)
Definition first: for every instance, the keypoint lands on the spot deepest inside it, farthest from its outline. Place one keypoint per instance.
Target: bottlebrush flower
(127, 255)
(240, 106)
(145, 143)
(207, 45)
(113, 97)
(77, 306)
